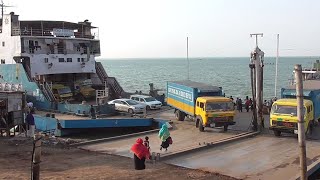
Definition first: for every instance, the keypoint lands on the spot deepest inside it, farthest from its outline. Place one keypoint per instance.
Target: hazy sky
(158, 28)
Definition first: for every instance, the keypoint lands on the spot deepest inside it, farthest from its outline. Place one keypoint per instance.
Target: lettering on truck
(180, 93)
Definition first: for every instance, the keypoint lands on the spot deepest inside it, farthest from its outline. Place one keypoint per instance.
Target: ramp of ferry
(237, 153)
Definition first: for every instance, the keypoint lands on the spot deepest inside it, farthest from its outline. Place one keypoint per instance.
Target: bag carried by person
(170, 140)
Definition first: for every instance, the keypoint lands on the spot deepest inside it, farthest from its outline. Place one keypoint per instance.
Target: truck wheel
(201, 127)
(180, 115)
(277, 133)
(225, 128)
(130, 111)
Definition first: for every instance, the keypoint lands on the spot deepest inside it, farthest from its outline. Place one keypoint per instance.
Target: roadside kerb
(113, 138)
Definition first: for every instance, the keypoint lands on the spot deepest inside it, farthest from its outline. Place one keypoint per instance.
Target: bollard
(158, 156)
(153, 157)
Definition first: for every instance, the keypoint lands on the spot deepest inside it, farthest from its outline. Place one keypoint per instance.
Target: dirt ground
(62, 162)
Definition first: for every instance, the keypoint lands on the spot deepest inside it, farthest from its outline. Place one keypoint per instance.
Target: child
(146, 142)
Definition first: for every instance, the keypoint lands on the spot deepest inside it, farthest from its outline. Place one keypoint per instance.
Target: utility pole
(257, 58)
(36, 157)
(188, 58)
(301, 128)
(276, 76)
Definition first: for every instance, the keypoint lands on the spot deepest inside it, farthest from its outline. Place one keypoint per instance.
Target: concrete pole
(258, 68)
(301, 128)
(36, 157)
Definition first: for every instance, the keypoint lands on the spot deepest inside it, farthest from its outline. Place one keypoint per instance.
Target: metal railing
(49, 32)
(111, 81)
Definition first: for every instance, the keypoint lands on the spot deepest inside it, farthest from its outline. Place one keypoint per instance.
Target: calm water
(232, 74)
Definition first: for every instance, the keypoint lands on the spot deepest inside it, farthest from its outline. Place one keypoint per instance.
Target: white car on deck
(149, 101)
(128, 105)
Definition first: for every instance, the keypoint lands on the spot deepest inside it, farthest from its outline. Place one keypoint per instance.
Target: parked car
(149, 101)
(128, 105)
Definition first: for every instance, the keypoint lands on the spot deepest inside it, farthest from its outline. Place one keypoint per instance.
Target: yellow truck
(201, 102)
(61, 92)
(283, 115)
(84, 89)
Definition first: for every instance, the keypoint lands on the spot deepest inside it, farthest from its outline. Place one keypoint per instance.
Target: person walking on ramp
(164, 135)
(141, 153)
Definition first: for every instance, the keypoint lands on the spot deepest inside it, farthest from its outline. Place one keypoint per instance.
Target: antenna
(2, 8)
(256, 34)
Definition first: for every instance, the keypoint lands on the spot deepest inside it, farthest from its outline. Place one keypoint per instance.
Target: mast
(276, 76)
(188, 58)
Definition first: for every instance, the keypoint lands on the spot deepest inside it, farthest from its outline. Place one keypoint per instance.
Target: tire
(225, 128)
(180, 115)
(148, 108)
(277, 133)
(200, 126)
(130, 111)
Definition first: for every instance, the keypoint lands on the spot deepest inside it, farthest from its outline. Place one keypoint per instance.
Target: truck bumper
(283, 129)
(220, 124)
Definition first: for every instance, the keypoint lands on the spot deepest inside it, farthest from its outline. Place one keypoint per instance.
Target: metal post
(256, 56)
(252, 74)
(301, 128)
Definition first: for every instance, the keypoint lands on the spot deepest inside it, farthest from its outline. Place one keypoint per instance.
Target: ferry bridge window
(3, 43)
(46, 60)
(78, 59)
(69, 59)
(3, 61)
(61, 59)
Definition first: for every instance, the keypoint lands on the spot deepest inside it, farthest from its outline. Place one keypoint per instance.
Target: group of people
(248, 104)
(141, 149)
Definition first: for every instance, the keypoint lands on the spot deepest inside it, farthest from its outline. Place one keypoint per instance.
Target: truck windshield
(219, 106)
(64, 90)
(282, 109)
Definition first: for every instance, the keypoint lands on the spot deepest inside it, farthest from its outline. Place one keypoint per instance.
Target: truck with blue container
(203, 103)
(283, 115)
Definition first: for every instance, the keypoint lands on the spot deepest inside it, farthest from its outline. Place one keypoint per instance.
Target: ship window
(3, 43)
(78, 59)
(82, 59)
(46, 60)
(69, 59)
(3, 61)
(61, 59)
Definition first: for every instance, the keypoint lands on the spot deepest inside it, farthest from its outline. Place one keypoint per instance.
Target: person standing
(92, 112)
(247, 105)
(30, 123)
(140, 154)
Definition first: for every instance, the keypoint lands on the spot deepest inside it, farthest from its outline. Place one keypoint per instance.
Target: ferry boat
(54, 61)
(308, 73)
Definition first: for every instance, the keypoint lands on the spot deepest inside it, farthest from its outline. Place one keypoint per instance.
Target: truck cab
(283, 116)
(214, 110)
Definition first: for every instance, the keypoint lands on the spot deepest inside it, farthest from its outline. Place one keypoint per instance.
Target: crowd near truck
(203, 103)
(283, 115)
